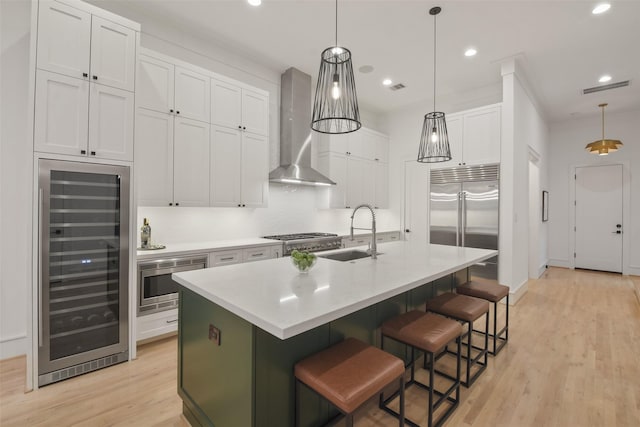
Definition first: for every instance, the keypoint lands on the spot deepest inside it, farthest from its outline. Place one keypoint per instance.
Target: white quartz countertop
(274, 296)
(203, 247)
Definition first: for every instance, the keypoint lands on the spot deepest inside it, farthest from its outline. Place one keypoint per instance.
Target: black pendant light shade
(434, 141)
(335, 107)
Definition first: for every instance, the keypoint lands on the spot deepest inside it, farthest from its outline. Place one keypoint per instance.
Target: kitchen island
(243, 327)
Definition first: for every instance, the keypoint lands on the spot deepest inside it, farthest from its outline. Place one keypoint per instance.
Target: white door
(110, 123)
(381, 185)
(64, 39)
(113, 54)
(190, 163)
(192, 94)
(154, 158)
(226, 159)
(599, 227)
(226, 100)
(255, 170)
(255, 113)
(416, 201)
(61, 114)
(154, 89)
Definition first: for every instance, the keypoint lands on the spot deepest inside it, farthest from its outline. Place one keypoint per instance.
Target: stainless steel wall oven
(156, 290)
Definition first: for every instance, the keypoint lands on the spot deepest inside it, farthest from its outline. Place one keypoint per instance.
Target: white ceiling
(564, 47)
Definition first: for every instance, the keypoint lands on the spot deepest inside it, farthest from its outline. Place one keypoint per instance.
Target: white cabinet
(474, 137)
(257, 254)
(75, 117)
(357, 162)
(358, 240)
(155, 324)
(237, 107)
(170, 88)
(224, 257)
(244, 254)
(84, 100)
(239, 168)
(172, 160)
(81, 45)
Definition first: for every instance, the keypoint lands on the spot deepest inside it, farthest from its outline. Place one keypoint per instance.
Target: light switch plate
(214, 334)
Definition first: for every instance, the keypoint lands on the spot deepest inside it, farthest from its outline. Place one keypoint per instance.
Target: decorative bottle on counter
(145, 234)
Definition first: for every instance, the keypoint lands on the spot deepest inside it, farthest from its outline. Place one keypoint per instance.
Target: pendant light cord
(336, 23)
(603, 123)
(434, 63)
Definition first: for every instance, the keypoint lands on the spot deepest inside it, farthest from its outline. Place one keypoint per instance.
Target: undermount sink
(347, 255)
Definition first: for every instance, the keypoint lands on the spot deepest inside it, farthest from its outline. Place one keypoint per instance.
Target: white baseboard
(516, 294)
(634, 271)
(542, 268)
(559, 263)
(13, 346)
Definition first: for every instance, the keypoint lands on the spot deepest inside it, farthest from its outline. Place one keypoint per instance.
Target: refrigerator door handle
(463, 197)
(40, 219)
(458, 220)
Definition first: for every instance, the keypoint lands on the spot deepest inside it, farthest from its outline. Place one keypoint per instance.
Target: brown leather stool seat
(431, 334)
(348, 374)
(493, 293)
(465, 309)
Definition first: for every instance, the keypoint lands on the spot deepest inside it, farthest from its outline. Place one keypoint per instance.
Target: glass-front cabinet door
(84, 264)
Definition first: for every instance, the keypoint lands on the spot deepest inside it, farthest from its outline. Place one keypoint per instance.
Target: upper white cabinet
(84, 100)
(239, 168)
(78, 44)
(169, 88)
(474, 137)
(238, 107)
(191, 163)
(358, 163)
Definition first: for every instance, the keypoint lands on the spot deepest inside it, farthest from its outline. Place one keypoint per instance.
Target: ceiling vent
(605, 87)
(397, 87)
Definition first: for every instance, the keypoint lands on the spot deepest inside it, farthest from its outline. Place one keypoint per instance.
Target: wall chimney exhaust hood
(295, 132)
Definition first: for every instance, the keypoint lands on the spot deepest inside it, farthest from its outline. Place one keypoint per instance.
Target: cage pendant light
(603, 146)
(434, 141)
(335, 107)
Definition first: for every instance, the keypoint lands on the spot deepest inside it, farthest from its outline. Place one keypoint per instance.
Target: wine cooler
(83, 268)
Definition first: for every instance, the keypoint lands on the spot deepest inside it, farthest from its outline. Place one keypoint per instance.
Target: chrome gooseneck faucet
(374, 248)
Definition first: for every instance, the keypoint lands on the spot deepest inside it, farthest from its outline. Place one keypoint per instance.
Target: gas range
(310, 242)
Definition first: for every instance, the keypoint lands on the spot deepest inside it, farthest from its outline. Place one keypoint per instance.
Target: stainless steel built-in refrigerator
(464, 207)
(83, 268)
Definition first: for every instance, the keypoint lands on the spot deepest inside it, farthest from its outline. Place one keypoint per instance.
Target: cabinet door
(154, 89)
(368, 182)
(334, 165)
(255, 112)
(455, 132)
(226, 100)
(255, 170)
(381, 185)
(190, 163)
(154, 158)
(355, 182)
(355, 144)
(64, 38)
(257, 254)
(192, 94)
(367, 143)
(61, 114)
(218, 258)
(382, 148)
(482, 137)
(113, 54)
(110, 123)
(226, 158)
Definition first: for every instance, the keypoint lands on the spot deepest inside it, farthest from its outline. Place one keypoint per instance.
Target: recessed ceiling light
(470, 52)
(604, 79)
(601, 8)
(255, 2)
(387, 82)
(365, 69)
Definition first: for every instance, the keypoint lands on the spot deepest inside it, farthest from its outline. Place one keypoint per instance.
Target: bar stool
(429, 333)
(467, 310)
(348, 374)
(493, 293)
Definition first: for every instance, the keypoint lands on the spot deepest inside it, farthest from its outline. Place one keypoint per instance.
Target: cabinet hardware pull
(177, 112)
(177, 204)
(171, 110)
(244, 128)
(40, 316)
(95, 77)
(170, 204)
(260, 254)
(93, 153)
(85, 75)
(229, 258)
(83, 151)
(239, 126)
(172, 321)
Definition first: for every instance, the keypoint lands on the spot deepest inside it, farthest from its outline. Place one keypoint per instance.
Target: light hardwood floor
(573, 359)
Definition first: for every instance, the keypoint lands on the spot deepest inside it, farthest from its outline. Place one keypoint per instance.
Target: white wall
(15, 177)
(567, 142)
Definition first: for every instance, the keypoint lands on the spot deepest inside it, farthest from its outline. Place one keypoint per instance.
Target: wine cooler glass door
(83, 262)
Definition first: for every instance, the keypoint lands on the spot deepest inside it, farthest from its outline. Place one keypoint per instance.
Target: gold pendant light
(603, 146)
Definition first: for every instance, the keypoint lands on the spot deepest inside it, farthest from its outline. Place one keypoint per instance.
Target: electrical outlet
(214, 334)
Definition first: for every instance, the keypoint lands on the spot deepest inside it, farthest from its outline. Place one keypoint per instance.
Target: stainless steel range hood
(295, 132)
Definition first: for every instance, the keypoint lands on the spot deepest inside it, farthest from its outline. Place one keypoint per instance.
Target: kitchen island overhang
(269, 316)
